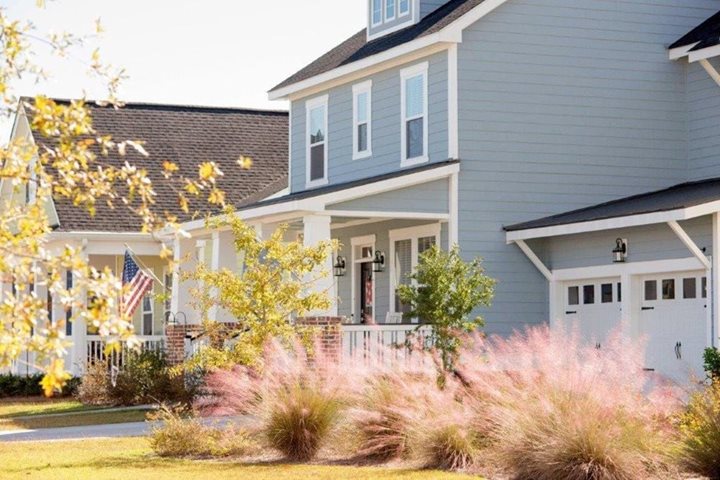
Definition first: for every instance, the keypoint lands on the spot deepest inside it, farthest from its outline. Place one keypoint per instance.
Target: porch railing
(383, 341)
(116, 358)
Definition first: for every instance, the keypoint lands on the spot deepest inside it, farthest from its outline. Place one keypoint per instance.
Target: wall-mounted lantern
(620, 252)
(379, 262)
(340, 266)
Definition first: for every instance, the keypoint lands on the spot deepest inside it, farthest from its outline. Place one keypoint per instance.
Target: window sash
(414, 126)
(362, 120)
(147, 315)
(390, 7)
(377, 12)
(419, 241)
(404, 7)
(317, 141)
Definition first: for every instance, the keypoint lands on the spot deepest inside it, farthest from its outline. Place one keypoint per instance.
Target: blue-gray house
(573, 144)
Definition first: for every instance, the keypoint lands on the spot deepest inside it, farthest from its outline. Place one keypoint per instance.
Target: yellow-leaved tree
(275, 280)
(71, 163)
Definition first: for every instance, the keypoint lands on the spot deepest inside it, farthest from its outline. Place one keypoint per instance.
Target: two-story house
(466, 121)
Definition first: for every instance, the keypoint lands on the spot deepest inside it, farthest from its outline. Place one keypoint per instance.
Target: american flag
(140, 284)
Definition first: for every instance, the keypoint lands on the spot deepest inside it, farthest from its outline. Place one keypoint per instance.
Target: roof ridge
(157, 105)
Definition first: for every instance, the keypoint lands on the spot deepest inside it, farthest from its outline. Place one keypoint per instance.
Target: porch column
(223, 257)
(79, 327)
(714, 282)
(316, 228)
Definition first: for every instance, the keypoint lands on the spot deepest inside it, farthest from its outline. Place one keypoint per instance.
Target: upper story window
(317, 146)
(362, 120)
(377, 12)
(389, 10)
(404, 7)
(414, 128)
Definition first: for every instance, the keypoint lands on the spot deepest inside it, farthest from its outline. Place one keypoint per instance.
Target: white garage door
(674, 321)
(594, 307)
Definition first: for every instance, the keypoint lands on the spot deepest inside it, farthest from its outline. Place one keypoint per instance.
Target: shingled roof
(357, 47)
(684, 195)
(188, 135)
(707, 34)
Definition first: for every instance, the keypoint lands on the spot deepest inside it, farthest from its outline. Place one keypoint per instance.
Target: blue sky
(200, 52)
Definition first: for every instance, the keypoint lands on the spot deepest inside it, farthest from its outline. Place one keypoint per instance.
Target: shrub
(700, 428)
(296, 399)
(299, 420)
(144, 378)
(555, 408)
(452, 446)
(179, 437)
(20, 386)
(712, 363)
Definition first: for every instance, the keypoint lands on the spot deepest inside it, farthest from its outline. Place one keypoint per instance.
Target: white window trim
(412, 234)
(400, 13)
(316, 102)
(405, 74)
(373, 23)
(395, 11)
(360, 88)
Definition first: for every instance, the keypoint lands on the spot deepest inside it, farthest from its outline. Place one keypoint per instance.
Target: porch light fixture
(379, 262)
(340, 266)
(620, 252)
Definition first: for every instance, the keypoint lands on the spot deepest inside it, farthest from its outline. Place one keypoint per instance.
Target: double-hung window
(406, 246)
(377, 12)
(414, 101)
(317, 141)
(362, 120)
(389, 10)
(147, 315)
(404, 8)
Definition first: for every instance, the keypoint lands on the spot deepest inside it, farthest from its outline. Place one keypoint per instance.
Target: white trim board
(451, 33)
(631, 268)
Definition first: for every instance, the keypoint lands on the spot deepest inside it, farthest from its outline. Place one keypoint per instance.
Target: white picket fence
(96, 349)
(383, 342)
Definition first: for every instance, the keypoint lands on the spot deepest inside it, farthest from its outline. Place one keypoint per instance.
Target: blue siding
(563, 104)
(431, 197)
(703, 123)
(428, 6)
(385, 126)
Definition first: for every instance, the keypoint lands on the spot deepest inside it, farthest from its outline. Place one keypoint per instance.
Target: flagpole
(145, 267)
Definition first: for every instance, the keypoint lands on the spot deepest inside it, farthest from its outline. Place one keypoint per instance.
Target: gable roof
(357, 47)
(187, 135)
(677, 197)
(707, 34)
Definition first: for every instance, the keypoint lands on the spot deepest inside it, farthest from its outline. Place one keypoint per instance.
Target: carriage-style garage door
(674, 320)
(594, 307)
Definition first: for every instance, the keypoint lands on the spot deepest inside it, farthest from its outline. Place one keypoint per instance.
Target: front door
(366, 293)
(674, 322)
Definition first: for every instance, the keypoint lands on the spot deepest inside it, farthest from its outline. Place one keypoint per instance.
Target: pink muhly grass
(554, 408)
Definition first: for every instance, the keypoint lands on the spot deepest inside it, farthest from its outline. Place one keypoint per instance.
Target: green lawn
(120, 459)
(34, 413)
(14, 407)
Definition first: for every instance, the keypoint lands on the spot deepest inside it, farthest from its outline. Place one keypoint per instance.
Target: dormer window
(404, 7)
(377, 12)
(389, 10)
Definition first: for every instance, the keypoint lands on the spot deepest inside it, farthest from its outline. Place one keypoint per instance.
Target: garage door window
(650, 290)
(704, 287)
(589, 294)
(619, 292)
(573, 296)
(668, 289)
(689, 288)
(606, 293)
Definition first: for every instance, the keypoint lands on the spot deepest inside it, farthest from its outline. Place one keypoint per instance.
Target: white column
(453, 203)
(79, 326)
(714, 282)
(316, 228)
(223, 257)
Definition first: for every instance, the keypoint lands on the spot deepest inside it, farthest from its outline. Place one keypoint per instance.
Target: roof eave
(626, 221)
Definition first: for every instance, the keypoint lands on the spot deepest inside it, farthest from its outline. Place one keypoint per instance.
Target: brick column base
(175, 341)
(329, 333)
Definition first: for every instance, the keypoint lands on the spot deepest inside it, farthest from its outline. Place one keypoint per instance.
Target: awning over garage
(677, 203)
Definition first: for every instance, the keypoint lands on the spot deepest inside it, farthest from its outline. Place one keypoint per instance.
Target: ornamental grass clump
(296, 398)
(554, 408)
(700, 430)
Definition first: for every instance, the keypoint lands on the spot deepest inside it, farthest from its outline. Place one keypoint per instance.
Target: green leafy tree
(712, 363)
(445, 290)
(274, 283)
